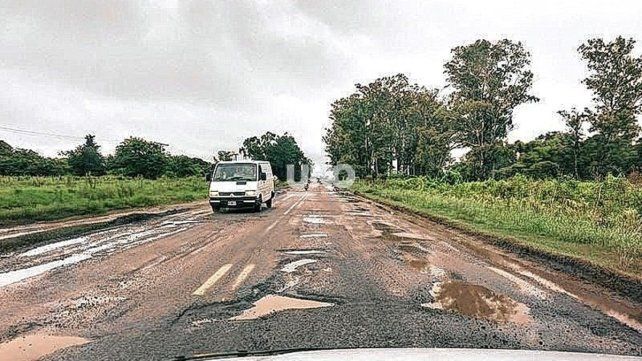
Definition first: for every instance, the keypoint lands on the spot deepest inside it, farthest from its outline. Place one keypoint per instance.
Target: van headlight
(213, 193)
(250, 193)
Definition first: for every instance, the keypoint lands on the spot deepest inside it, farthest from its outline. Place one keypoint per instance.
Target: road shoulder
(623, 284)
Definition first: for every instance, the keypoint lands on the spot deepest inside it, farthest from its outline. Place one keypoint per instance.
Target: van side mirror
(208, 177)
(263, 176)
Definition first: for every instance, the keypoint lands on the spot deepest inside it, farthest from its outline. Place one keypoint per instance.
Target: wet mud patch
(419, 265)
(478, 302)
(271, 304)
(386, 228)
(413, 248)
(35, 346)
(408, 235)
(46, 236)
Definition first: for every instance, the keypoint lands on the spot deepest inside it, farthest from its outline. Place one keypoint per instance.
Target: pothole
(304, 251)
(292, 266)
(385, 227)
(359, 214)
(420, 265)
(178, 223)
(92, 301)
(314, 235)
(479, 302)
(274, 303)
(409, 235)
(413, 248)
(314, 219)
(34, 347)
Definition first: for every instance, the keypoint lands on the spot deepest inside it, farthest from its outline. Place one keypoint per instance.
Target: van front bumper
(236, 202)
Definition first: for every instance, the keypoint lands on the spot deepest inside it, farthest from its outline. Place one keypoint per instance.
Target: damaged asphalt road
(319, 270)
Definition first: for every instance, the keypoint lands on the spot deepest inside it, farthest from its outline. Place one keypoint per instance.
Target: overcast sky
(204, 75)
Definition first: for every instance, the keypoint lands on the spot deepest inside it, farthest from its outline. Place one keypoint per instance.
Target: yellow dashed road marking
(212, 280)
(243, 275)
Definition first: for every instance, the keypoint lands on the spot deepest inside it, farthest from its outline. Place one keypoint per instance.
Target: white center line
(243, 275)
(297, 203)
(271, 226)
(212, 280)
(294, 205)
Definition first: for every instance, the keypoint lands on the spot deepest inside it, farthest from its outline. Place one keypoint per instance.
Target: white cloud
(203, 75)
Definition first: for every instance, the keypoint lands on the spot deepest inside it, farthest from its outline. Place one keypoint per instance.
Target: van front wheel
(269, 203)
(257, 206)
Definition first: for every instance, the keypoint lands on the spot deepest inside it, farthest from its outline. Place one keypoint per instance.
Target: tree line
(394, 126)
(134, 157)
(137, 157)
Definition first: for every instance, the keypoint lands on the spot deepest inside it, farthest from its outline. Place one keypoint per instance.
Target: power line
(75, 137)
(30, 132)
(55, 135)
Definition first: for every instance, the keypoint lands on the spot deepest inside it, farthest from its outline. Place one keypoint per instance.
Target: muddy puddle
(34, 347)
(420, 265)
(479, 302)
(49, 257)
(274, 303)
(10, 277)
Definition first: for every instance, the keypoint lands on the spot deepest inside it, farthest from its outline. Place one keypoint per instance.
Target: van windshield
(235, 172)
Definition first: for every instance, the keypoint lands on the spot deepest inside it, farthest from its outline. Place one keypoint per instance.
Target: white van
(241, 184)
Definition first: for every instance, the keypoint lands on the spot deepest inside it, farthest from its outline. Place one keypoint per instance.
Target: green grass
(595, 221)
(25, 199)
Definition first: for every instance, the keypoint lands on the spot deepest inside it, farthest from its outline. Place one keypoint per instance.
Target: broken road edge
(625, 285)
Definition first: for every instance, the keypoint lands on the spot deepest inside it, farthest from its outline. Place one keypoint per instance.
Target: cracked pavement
(322, 269)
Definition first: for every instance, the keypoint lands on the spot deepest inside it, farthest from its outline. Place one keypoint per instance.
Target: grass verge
(29, 199)
(599, 230)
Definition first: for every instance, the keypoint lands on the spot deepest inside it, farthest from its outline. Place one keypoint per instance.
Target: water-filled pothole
(274, 303)
(420, 265)
(478, 301)
(304, 251)
(292, 266)
(314, 219)
(34, 347)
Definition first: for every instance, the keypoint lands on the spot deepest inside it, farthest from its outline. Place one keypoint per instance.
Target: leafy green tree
(26, 162)
(574, 122)
(489, 80)
(184, 166)
(86, 159)
(615, 79)
(5, 148)
(279, 150)
(138, 157)
(225, 155)
(435, 136)
(390, 125)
